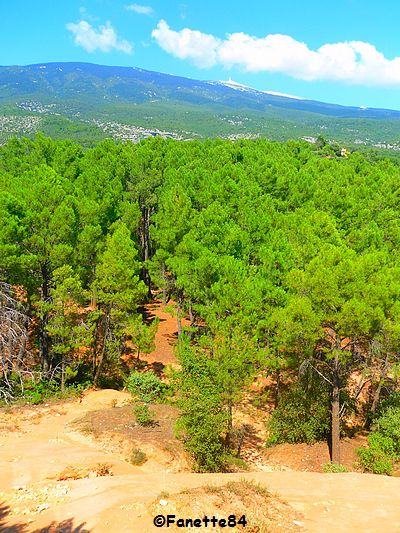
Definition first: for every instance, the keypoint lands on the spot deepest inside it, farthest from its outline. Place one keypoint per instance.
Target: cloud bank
(353, 62)
(104, 38)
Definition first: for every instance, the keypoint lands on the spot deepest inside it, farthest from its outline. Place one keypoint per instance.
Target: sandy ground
(33, 454)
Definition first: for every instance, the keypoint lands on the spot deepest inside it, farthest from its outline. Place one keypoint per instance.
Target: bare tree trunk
(164, 289)
(145, 245)
(13, 335)
(277, 388)
(179, 319)
(382, 376)
(44, 318)
(22, 348)
(335, 412)
(103, 350)
(62, 373)
(191, 317)
(229, 423)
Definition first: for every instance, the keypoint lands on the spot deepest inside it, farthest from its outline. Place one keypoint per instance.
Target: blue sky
(343, 51)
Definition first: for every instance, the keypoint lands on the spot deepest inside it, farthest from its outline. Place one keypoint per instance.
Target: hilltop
(89, 102)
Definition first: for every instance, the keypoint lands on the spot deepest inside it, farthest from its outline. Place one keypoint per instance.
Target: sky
(342, 51)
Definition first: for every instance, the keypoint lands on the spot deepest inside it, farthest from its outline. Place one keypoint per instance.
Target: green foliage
(388, 425)
(383, 443)
(373, 459)
(301, 416)
(393, 400)
(146, 386)
(142, 335)
(36, 393)
(377, 440)
(334, 468)
(138, 457)
(39, 391)
(203, 418)
(143, 415)
(233, 462)
(284, 257)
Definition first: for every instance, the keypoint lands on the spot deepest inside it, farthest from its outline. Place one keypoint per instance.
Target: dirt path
(33, 454)
(166, 336)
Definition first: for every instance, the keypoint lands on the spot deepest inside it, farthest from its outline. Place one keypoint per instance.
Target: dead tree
(13, 339)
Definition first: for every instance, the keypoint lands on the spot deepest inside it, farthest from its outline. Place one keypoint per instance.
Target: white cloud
(353, 62)
(188, 44)
(104, 38)
(138, 8)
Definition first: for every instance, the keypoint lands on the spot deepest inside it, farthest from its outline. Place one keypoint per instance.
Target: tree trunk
(335, 413)
(44, 318)
(191, 317)
(145, 245)
(229, 423)
(62, 373)
(164, 289)
(277, 388)
(22, 348)
(103, 350)
(377, 394)
(179, 320)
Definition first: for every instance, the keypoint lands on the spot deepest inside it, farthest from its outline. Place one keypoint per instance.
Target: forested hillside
(285, 258)
(87, 102)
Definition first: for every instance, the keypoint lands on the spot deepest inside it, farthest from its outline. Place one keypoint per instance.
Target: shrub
(138, 457)
(382, 442)
(301, 416)
(334, 468)
(35, 390)
(143, 415)
(391, 401)
(234, 462)
(146, 386)
(375, 460)
(380, 455)
(388, 424)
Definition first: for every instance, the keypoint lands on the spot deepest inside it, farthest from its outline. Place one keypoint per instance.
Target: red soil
(167, 333)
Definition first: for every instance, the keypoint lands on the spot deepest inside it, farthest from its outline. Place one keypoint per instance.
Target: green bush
(143, 415)
(334, 468)
(35, 390)
(391, 401)
(234, 462)
(138, 457)
(145, 385)
(383, 444)
(375, 460)
(388, 424)
(203, 420)
(378, 441)
(201, 434)
(301, 416)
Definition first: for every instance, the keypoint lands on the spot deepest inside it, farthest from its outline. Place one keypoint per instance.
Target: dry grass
(81, 472)
(264, 511)
(138, 457)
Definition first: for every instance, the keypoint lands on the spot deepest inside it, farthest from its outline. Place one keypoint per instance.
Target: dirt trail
(44, 444)
(166, 335)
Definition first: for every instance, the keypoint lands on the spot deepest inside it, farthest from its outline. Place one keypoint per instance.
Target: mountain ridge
(95, 94)
(150, 76)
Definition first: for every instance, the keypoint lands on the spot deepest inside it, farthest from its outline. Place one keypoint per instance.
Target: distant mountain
(111, 99)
